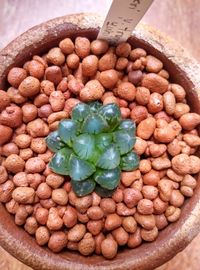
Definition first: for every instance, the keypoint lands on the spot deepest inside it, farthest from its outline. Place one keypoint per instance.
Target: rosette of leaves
(93, 147)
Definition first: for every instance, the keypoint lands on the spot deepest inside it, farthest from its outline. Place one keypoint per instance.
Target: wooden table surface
(178, 18)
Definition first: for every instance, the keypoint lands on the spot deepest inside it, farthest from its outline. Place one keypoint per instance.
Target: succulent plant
(93, 147)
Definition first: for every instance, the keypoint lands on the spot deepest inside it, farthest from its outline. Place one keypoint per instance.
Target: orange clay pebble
(108, 78)
(66, 45)
(109, 248)
(127, 91)
(16, 75)
(93, 90)
(29, 87)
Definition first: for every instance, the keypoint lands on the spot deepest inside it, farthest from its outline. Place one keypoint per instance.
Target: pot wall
(183, 70)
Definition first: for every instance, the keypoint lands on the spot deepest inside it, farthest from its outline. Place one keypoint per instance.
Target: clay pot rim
(171, 240)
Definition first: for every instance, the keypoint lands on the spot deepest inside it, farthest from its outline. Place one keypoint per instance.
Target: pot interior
(17, 239)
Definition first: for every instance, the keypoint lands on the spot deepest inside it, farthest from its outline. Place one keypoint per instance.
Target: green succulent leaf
(80, 169)
(95, 156)
(129, 162)
(80, 112)
(68, 130)
(95, 106)
(60, 161)
(103, 140)
(110, 159)
(103, 192)
(127, 125)
(84, 146)
(111, 114)
(83, 188)
(108, 179)
(53, 141)
(124, 141)
(94, 124)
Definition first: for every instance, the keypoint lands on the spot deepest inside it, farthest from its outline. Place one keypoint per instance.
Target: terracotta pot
(183, 70)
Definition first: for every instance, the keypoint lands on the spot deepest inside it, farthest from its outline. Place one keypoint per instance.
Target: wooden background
(178, 18)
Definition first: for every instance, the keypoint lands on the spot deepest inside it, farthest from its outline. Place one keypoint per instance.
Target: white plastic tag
(122, 18)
